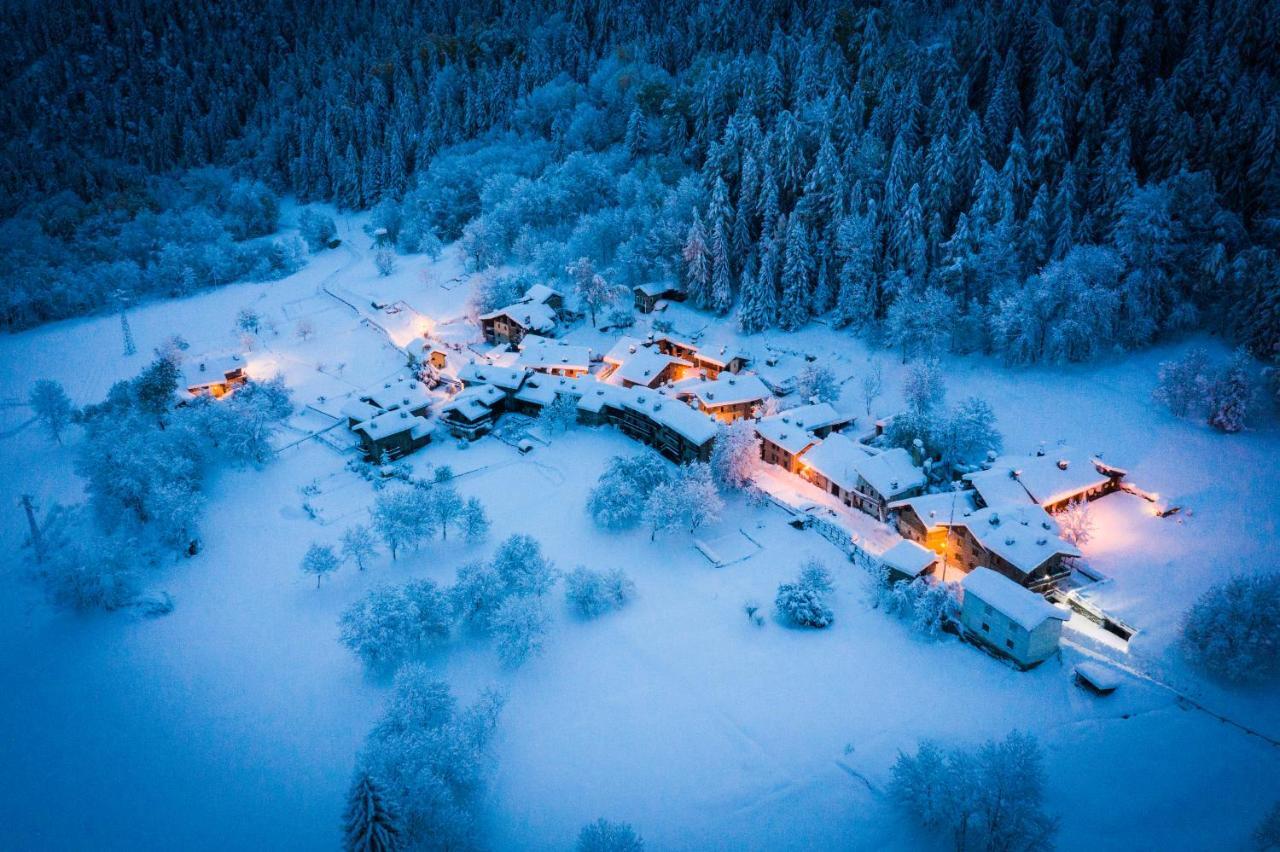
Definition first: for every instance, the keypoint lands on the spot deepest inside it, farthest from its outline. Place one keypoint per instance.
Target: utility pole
(126, 333)
(951, 524)
(37, 542)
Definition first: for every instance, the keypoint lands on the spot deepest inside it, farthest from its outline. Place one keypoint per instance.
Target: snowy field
(234, 722)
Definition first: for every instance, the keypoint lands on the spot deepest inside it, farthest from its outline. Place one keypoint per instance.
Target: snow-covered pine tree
(370, 823)
(797, 269)
(756, 306)
(697, 263)
(721, 276)
(635, 135)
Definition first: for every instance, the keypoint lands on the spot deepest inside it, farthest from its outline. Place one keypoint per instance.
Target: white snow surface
(235, 721)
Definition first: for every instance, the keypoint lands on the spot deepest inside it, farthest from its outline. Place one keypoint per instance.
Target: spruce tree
(370, 824)
(797, 269)
(697, 263)
(756, 307)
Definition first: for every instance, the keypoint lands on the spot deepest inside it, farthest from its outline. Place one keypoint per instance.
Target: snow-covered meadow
(235, 721)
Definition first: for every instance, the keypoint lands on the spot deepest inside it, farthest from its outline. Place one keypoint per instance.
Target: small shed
(907, 560)
(1097, 678)
(1012, 621)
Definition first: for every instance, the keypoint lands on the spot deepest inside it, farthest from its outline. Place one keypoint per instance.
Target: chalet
(670, 426)
(785, 436)
(1051, 478)
(402, 393)
(727, 398)
(921, 518)
(553, 356)
(650, 296)
(632, 364)
(536, 313)
(1010, 620)
(907, 560)
(1020, 542)
(861, 477)
(506, 379)
(709, 358)
(215, 377)
(358, 411)
(472, 413)
(393, 434)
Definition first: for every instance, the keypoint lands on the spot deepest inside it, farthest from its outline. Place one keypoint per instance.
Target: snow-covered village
(640, 426)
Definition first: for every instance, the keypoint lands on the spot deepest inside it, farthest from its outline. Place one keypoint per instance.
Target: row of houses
(654, 416)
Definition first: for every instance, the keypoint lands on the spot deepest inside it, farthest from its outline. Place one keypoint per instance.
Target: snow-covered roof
(507, 378)
(785, 433)
(818, 415)
(596, 395)
(727, 389)
(1027, 609)
(359, 410)
(668, 411)
(1025, 536)
(541, 353)
(656, 289)
(1103, 678)
(398, 393)
(540, 294)
(210, 369)
(891, 472)
(393, 423)
(837, 458)
(534, 316)
(791, 429)
(543, 389)
(623, 348)
(908, 557)
(643, 366)
(713, 346)
(474, 402)
(998, 486)
(843, 460)
(1059, 474)
(935, 508)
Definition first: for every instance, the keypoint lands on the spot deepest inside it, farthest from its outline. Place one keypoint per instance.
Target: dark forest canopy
(1046, 181)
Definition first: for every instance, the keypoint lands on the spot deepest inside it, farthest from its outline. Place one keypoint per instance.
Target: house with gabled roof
(393, 434)
(861, 477)
(633, 364)
(1008, 619)
(556, 357)
(214, 376)
(1052, 477)
(920, 518)
(472, 412)
(785, 436)
(537, 312)
(1021, 542)
(727, 398)
(648, 297)
(708, 356)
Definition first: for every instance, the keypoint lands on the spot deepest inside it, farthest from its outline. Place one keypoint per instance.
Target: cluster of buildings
(995, 529)
(664, 392)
